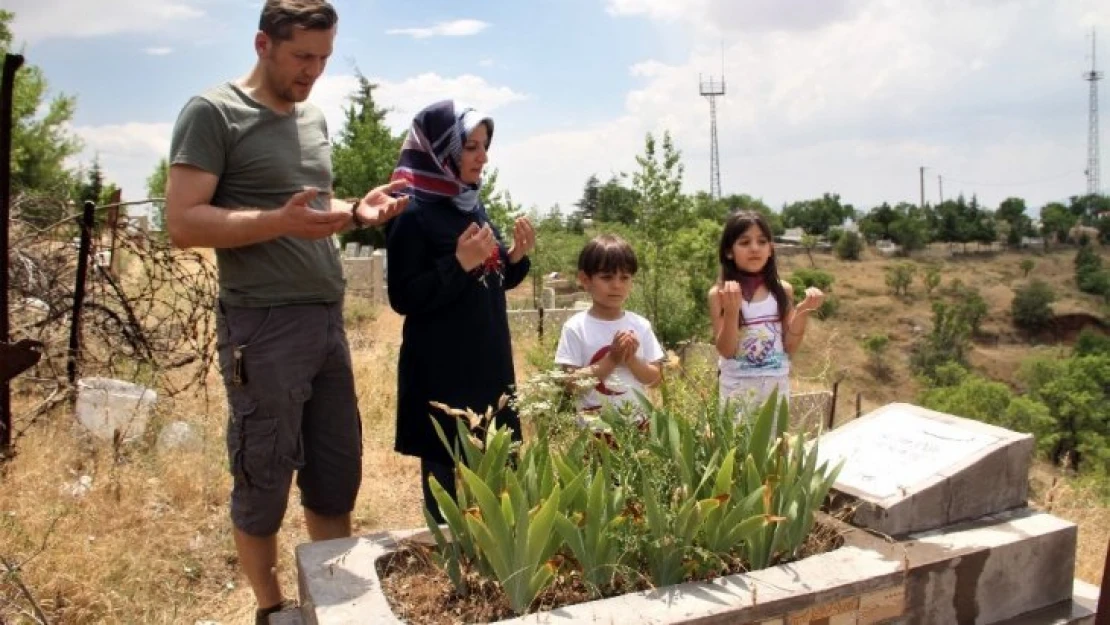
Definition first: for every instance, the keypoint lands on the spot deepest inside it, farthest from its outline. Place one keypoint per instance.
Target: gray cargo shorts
(293, 408)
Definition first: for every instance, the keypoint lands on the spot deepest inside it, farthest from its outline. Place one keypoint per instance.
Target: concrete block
(914, 469)
(1080, 610)
(991, 569)
(339, 584)
(287, 617)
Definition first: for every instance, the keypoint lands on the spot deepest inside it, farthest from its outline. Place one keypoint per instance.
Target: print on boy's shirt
(758, 347)
(601, 388)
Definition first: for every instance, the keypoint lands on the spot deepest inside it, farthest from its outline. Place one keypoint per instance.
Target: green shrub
(686, 496)
(1032, 306)
(899, 277)
(849, 246)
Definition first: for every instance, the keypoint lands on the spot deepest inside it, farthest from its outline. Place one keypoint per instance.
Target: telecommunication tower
(712, 89)
(1093, 165)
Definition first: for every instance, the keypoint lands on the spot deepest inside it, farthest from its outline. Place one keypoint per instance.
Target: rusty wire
(148, 316)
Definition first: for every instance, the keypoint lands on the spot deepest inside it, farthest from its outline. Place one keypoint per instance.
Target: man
(250, 175)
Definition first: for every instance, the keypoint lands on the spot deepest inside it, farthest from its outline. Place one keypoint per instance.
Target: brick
(876, 607)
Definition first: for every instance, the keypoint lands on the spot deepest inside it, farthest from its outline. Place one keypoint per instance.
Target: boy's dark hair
(607, 253)
(280, 17)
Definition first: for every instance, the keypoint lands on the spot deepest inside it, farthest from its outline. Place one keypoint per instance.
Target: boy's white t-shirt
(586, 339)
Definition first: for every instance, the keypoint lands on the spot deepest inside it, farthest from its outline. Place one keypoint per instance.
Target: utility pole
(940, 188)
(922, 172)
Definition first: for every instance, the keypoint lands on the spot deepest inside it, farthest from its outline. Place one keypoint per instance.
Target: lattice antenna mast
(712, 89)
(1093, 165)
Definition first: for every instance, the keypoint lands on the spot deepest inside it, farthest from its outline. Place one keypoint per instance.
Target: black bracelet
(358, 222)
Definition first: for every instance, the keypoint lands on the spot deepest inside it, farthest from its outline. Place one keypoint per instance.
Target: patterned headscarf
(432, 151)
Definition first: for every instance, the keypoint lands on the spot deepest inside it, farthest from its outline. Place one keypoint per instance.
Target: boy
(618, 347)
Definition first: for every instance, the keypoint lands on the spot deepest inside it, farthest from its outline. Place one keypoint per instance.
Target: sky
(822, 96)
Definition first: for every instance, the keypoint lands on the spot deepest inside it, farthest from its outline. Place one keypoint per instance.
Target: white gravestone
(914, 469)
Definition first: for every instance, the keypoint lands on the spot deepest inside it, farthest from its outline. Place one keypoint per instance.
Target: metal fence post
(79, 290)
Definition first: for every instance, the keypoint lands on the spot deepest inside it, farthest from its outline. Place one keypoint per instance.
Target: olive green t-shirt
(262, 159)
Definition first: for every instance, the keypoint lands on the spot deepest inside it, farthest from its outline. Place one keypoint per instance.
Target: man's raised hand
(300, 220)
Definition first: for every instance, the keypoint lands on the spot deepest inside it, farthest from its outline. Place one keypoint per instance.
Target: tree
(818, 215)
(876, 224)
(41, 140)
(849, 246)
(95, 189)
(498, 203)
(156, 188)
(947, 343)
(363, 154)
(663, 212)
(1088, 208)
(809, 243)
(875, 345)
(587, 206)
(909, 228)
(931, 279)
(899, 277)
(617, 203)
(1032, 306)
(1076, 392)
(1012, 211)
(1027, 265)
(1056, 220)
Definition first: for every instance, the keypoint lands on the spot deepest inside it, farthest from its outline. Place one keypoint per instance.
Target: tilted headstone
(547, 299)
(914, 469)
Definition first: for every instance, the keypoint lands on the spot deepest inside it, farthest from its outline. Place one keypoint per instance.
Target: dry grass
(150, 542)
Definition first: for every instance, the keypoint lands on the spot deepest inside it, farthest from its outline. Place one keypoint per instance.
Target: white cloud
(36, 20)
(851, 99)
(486, 63)
(408, 96)
(160, 51)
(128, 152)
(456, 28)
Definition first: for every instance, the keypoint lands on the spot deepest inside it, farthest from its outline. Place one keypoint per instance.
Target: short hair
(607, 253)
(280, 17)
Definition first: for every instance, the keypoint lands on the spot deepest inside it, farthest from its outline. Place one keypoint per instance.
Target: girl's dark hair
(607, 253)
(736, 225)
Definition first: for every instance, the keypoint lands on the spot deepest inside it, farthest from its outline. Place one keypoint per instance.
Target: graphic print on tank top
(761, 344)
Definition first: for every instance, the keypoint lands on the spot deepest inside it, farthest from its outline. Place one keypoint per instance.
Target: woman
(448, 273)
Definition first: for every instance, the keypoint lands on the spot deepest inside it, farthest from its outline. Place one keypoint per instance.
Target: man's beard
(284, 93)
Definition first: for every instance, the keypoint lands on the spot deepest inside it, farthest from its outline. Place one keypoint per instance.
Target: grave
(960, 547)
(913, 469)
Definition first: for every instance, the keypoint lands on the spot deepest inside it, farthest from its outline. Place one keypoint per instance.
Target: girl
(755, 326)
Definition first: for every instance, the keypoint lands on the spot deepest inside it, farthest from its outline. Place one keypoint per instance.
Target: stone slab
(913, 469)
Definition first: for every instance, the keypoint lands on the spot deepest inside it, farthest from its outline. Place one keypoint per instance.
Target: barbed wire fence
(145, 309)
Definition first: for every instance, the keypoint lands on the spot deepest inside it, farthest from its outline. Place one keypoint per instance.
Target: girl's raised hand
(813, 300)
(730, 297)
